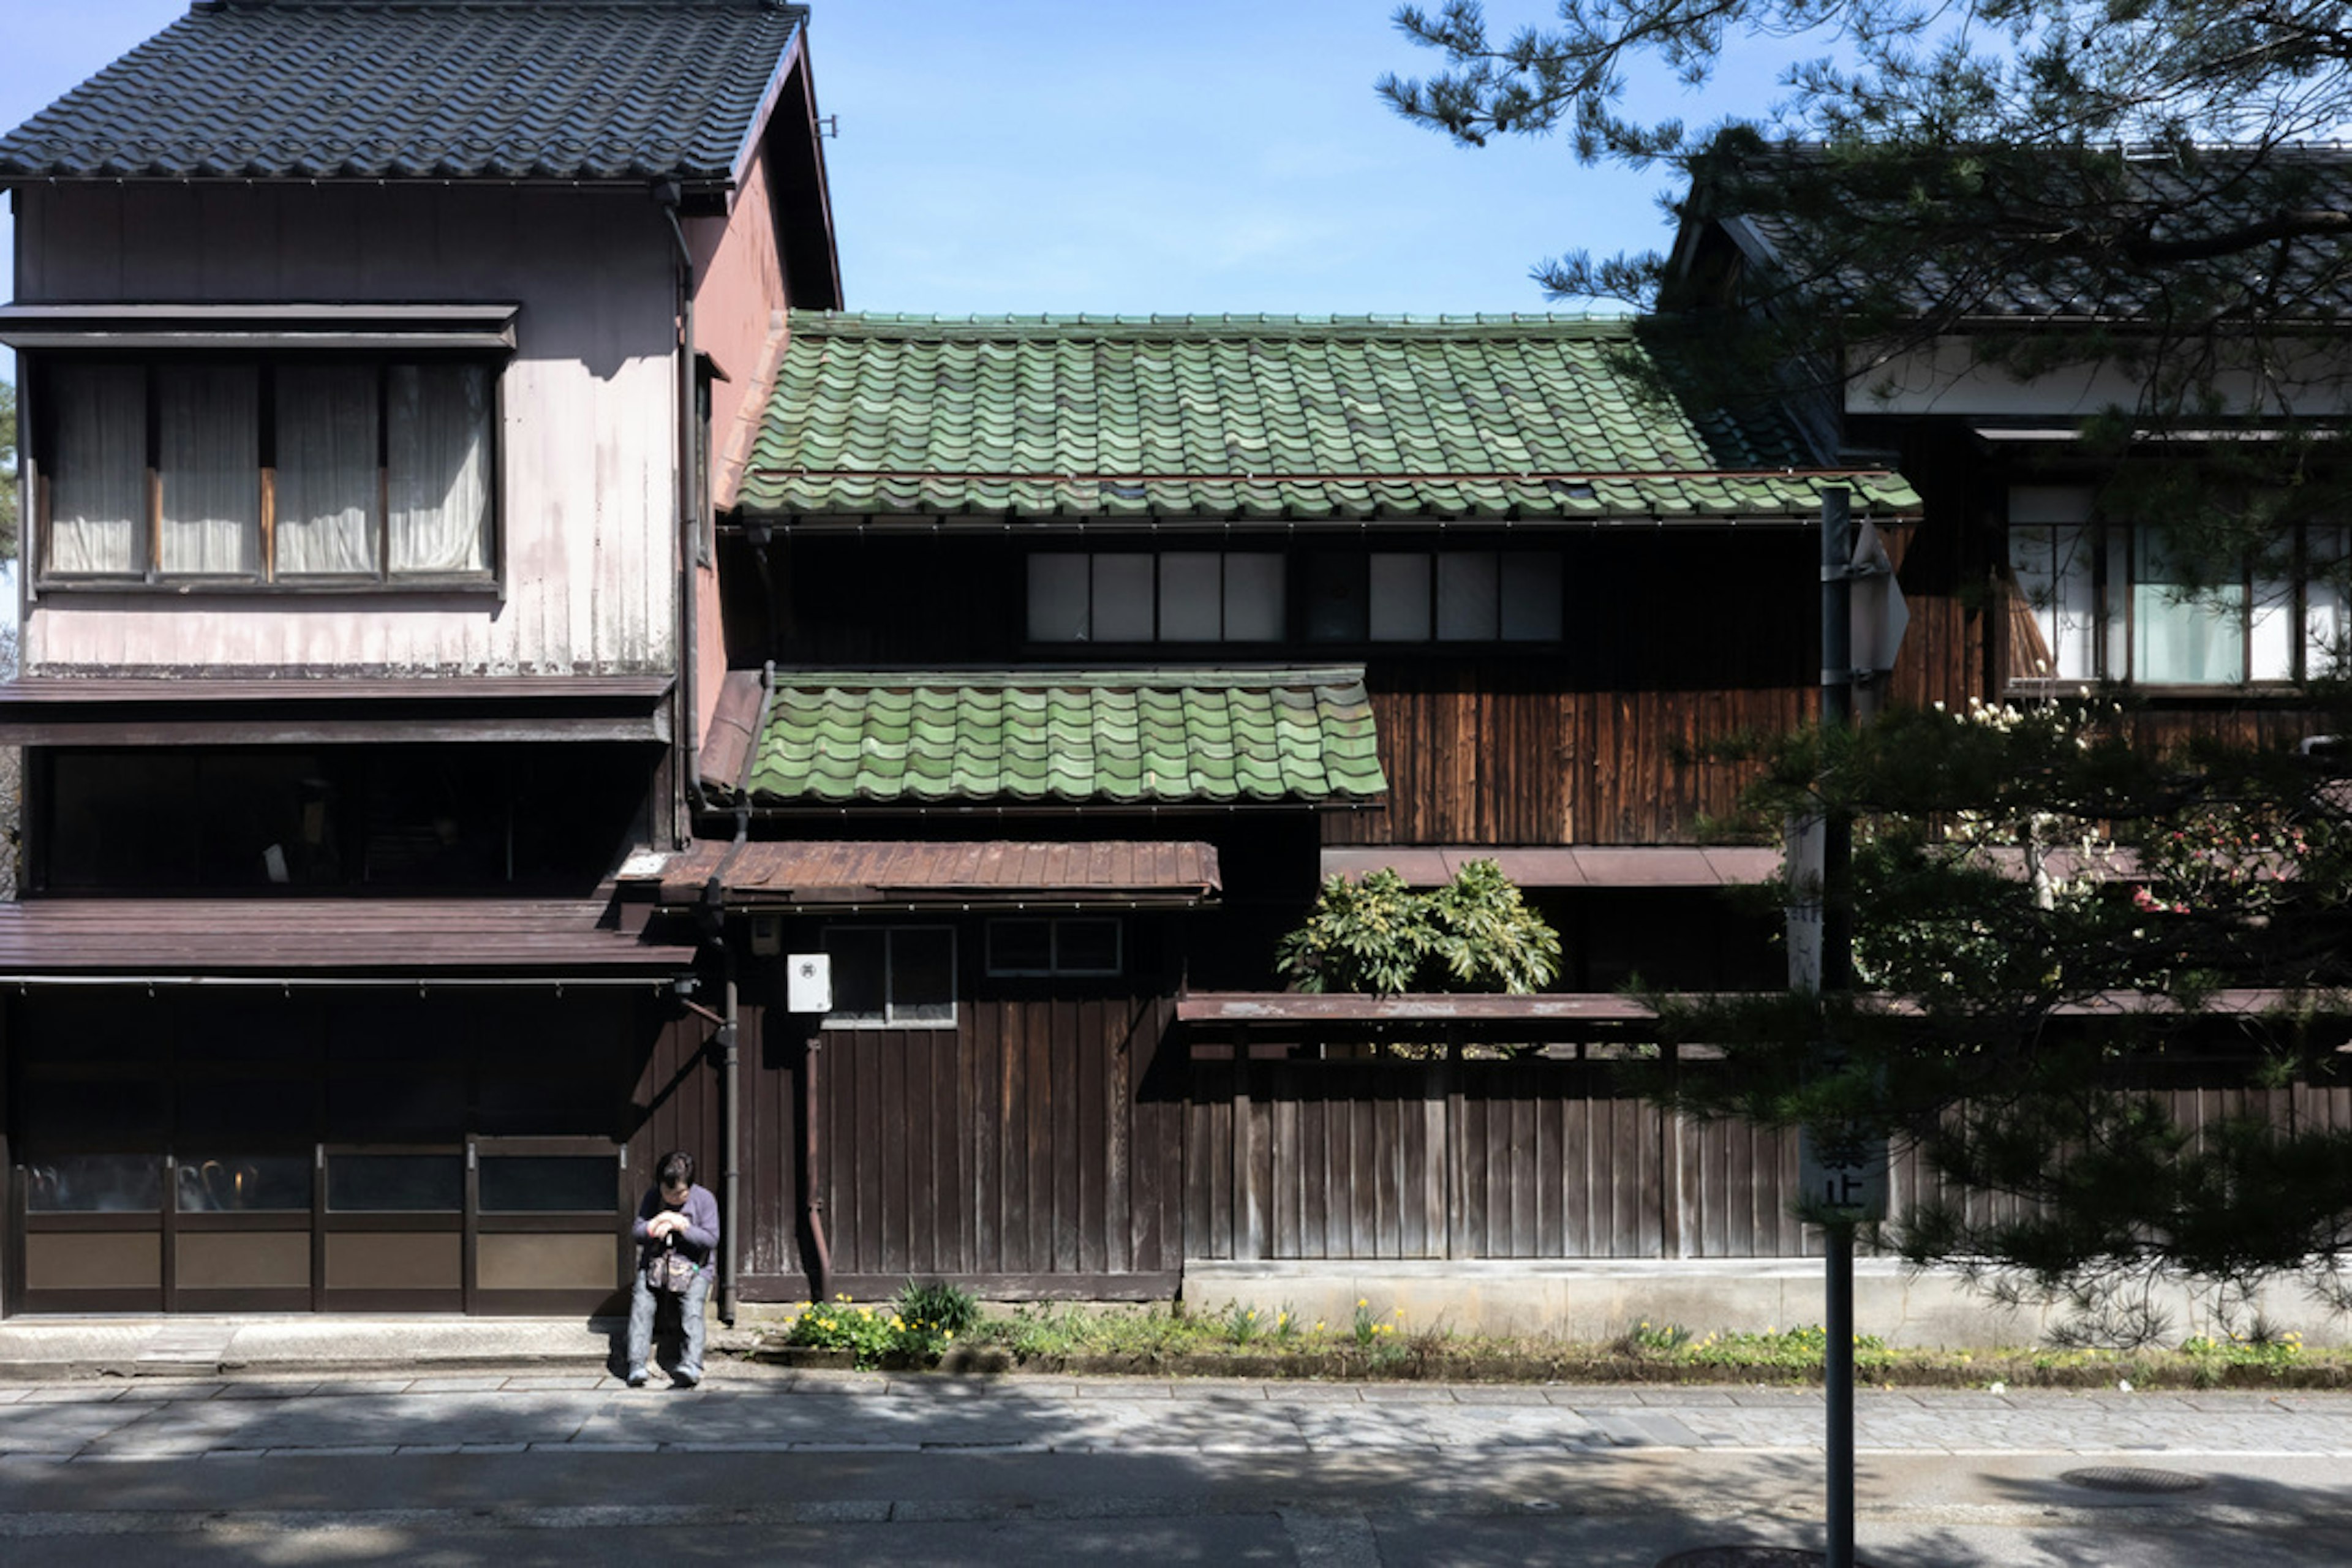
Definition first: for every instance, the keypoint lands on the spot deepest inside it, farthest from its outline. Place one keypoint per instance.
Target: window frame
(1303, 569)
(889, 933)
(38, 414)
(2107, 547)
(1055, 968)
(1156, 558)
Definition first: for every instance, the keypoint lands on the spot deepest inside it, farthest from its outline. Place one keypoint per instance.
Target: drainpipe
(730, 1073)
(811, 1205)
(667, 195)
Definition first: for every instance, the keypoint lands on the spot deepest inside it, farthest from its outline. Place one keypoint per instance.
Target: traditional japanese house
(374, 359)
(1066, 656)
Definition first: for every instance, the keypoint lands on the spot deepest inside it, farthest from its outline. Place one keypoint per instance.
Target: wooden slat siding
(1605, 771)
(587, 456)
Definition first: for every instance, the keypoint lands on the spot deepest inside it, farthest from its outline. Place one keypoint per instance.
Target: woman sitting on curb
(675, 1219)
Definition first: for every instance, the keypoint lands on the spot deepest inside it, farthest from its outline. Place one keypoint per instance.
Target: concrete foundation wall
(1599, 1300)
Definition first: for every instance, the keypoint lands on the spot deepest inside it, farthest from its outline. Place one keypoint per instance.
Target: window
(1174, 595)
(892, 977)
(294, 471)
(1070, 946)
(1447, 595)
(2092, 600)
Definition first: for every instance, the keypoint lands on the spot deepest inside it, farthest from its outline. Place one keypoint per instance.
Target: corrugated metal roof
(1562, 418)
(1078, 737)
(807, 873)
(314, 936)
(486, 89)
(1631, 866)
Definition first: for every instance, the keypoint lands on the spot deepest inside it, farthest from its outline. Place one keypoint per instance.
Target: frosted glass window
(2327, 605)
(1399, 596)
(2269, 635)
(1191, 591)
(1058, 598)
(2054, 626)
(97, 471)
(1122, 609)
(438, 468)
(1469, 605)
(208, 465)
(1253, 597)
(326, 492)
(1531, 597)
(2179, 637)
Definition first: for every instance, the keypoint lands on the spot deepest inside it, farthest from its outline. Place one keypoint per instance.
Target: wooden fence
(1068, 1151)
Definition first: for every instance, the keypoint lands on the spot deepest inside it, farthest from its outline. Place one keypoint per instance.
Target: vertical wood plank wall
(1060, 1149)
(1031, 1152)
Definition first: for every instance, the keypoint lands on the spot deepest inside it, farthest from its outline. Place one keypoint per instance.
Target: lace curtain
(97, 506)
(326, 470)
(209, 458)
(439, 467)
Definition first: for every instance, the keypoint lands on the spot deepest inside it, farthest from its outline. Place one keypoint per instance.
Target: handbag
(670, 1269)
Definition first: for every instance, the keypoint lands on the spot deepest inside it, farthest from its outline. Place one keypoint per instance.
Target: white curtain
(208, 455)
(98, 505)
(439, 459)
(2179, 637)
(326, 470)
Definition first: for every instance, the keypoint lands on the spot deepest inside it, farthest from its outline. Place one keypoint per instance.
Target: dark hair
(676, 1169)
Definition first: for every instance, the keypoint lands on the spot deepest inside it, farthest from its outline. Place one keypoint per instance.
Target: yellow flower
(1361, 1302)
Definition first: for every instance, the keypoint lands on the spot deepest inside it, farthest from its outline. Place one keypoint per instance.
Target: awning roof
(414, 327)
(836, 874)
(1640, 866)
(54, 711)
(574, 939)
(1179, 736)
(1544, 1013)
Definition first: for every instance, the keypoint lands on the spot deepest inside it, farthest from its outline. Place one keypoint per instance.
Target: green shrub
(928, 1319)
(837, 1325)
(1377, 935)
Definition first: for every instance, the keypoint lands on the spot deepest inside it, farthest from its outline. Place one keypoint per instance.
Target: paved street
(573, 1468)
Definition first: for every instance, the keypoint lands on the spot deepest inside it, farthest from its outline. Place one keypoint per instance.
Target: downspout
(730, 1070)
(813, 1206)
(667, 193)
(731, 1032)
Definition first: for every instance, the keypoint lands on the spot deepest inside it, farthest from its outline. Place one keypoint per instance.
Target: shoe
(636, 1377)
(687, 1379)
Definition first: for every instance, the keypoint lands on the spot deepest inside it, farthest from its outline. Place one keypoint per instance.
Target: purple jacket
(698, 1241)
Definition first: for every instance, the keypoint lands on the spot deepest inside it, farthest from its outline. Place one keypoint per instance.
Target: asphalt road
(573, 1471)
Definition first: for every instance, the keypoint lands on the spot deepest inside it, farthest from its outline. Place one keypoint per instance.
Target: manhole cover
(2124, 1479)
(1750, 1557)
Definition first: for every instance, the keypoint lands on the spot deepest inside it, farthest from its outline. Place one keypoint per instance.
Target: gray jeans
(642, 1300)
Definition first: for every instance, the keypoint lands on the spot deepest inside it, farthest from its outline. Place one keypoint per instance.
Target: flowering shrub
(837, 1325)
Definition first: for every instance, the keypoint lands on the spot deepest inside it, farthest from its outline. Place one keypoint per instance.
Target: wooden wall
(587, 448)
(1033, 1153)
(1471, 1159)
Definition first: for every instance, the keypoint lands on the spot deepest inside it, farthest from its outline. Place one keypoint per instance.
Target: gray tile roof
(491, 89)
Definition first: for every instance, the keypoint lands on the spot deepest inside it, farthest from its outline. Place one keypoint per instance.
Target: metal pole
(1837, 974)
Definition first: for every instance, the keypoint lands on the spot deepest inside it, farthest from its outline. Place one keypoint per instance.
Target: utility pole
(1837, 976)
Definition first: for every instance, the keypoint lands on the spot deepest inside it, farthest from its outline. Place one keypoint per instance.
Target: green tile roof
(1106, 738)
(1280, 418)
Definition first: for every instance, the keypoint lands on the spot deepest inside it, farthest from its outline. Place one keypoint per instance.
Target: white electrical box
(767, 935)
(808, 983)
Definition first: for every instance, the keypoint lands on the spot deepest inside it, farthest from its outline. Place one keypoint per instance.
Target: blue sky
(1110, 155)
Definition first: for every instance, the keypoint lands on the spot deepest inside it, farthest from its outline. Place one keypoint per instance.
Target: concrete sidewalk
(263, 1344)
